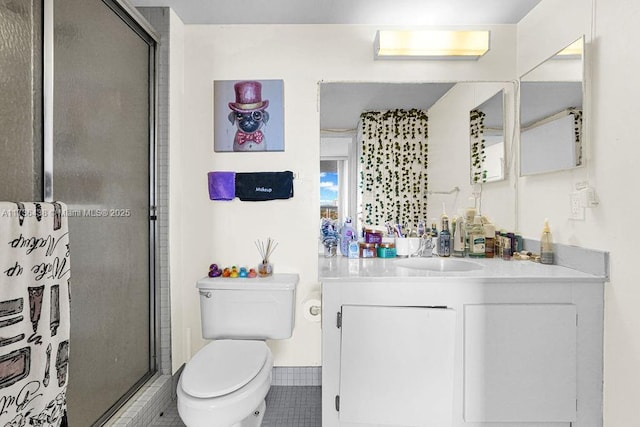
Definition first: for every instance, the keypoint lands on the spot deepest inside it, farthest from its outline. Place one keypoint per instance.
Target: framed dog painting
(248, 115)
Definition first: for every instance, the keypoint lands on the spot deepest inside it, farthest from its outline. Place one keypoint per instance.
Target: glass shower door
(102, 169)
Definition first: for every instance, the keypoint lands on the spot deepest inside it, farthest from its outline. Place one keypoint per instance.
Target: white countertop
(341, 268)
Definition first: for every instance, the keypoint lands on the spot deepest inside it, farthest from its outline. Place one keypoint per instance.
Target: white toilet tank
(243, 308)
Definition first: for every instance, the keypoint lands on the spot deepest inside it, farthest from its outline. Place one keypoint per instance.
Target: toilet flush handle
(205, 294)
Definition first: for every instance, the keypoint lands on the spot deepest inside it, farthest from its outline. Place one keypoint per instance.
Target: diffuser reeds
(267, 249)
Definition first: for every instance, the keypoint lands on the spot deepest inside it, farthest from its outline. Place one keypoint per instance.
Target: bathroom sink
(439, 264)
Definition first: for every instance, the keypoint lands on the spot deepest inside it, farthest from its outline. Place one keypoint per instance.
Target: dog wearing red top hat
(249, 115)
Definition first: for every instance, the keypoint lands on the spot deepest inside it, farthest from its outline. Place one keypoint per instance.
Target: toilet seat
(223, 366)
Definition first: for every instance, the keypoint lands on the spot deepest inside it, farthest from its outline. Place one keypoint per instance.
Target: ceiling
(342, 103)
(375, 12)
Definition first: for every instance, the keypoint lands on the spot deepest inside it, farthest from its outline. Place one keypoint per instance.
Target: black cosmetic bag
(260, 186)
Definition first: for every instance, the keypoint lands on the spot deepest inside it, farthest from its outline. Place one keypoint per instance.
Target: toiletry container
(546, 244)
(459, 238)
(506, 249)
(489, 240)
(367, 250)
(476, 238)
(386, 250)
(354, 249)
(444, 239)
(225, 383)
(346, 236)
(434, 236)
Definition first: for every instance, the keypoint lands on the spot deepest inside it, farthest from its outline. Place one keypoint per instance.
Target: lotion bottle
(348, 234)
(546, 244)
(476, 238)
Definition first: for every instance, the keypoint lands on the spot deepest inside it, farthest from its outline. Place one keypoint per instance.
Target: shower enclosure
(99, 103)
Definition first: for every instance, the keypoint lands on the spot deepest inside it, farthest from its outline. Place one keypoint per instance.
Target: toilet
(225, 383)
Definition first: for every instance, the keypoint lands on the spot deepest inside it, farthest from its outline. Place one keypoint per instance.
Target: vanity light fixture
(431, 44)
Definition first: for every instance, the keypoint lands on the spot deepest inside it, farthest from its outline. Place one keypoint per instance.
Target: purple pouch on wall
(222, 185)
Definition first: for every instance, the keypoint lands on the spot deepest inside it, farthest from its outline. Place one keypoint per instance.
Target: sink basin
(439, 264)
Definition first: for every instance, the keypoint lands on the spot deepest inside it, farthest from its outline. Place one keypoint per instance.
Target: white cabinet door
(520, 363)
(396, 366)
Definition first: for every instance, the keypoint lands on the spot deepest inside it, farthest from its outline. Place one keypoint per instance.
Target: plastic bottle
(444, 240)
(476, 238)
(469, 215)
(506, 249)
(546, 244)
(434, 236)
(513, 244)
(489, 240)
(458, 238)
(348, 234)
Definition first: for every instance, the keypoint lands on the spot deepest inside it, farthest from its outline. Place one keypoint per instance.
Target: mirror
(448, 105)
(551, 119)
(486, 132)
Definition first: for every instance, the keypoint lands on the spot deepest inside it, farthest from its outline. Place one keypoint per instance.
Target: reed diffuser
(265, 268)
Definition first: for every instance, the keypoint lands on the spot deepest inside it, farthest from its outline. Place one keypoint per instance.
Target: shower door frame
(134, 20)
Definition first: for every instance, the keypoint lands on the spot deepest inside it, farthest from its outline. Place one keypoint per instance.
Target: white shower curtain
(34, 313)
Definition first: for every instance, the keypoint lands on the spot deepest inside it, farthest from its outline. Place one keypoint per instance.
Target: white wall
(547, 29)
(612, 163)
(224, 232)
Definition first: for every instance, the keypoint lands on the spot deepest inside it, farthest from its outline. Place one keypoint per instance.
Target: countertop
(493, 270)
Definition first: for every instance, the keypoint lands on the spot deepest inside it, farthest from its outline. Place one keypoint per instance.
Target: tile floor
(287, 406)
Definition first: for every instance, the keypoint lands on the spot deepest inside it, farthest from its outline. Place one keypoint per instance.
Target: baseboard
(296, 376)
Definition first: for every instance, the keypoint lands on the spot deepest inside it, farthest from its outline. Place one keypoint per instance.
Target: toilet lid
(222, 367)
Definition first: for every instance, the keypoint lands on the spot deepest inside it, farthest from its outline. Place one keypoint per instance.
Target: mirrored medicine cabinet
(551, 113)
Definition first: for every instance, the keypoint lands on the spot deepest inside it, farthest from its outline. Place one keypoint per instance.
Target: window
(329, 188)
(338, 181)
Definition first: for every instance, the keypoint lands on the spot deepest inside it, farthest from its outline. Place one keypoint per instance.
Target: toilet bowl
(225, 383)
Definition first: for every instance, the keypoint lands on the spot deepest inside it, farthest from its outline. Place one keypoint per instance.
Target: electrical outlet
(577, 206)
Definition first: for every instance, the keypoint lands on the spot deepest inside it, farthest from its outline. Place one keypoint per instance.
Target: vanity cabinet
(462, 353)
(396, 365)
